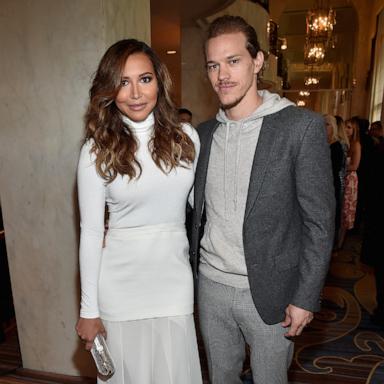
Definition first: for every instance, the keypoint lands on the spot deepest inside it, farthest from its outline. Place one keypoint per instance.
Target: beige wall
(197, 93)
(50, 49)
(126, 19)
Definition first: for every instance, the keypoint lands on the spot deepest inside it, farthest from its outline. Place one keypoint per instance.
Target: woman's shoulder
(86, 153)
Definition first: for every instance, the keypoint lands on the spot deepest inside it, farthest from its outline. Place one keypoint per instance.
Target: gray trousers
(228, 320)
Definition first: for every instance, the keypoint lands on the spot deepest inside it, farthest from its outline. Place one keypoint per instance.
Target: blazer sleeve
(316, 198)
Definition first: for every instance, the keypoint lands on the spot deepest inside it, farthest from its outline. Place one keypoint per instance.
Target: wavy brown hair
(114, 143)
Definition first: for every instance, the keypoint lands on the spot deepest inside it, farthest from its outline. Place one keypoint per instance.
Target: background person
(351, 179)
(338, 165)
(372, 249)
(185, 115)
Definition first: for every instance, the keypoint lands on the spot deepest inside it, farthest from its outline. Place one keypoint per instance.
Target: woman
(351, 181)
(343, 140)
(338, 164)
(138, 160)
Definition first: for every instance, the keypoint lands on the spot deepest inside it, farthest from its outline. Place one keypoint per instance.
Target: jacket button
(193, 253)
(196, 226)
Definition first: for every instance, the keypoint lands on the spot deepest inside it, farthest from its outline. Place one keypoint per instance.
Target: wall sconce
(283, 43)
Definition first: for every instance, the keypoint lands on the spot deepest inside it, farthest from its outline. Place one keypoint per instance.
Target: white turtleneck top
(152, 201)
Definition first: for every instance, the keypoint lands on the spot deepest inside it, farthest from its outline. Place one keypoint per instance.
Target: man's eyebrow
(226, 58)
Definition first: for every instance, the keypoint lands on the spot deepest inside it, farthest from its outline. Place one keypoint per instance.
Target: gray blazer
(288, 225)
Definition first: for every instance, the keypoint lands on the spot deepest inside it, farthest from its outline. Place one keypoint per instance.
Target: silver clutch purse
(102, 356)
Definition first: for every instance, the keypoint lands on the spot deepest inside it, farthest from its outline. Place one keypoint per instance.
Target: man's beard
(233, 104)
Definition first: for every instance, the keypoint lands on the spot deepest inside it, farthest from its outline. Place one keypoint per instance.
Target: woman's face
(329, 128)
(138, 94)
(349, 129)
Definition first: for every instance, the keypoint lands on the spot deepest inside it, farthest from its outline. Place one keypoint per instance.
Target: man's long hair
(114, 143)
(232, 24)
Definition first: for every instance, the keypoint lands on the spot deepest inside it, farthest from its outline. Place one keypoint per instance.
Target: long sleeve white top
(153, 198)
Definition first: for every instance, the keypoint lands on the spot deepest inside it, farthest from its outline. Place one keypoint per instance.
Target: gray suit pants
(228, 320)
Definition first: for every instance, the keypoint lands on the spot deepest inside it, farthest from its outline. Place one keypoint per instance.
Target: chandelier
(311, 79)
(320, 22)
(314, 52)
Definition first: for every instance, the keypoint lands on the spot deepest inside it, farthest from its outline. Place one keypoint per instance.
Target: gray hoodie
(230, 163)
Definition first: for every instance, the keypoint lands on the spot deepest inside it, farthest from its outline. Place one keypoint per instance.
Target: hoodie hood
(272, 103)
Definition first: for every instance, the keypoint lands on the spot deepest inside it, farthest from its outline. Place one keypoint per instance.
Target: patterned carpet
(340, 346)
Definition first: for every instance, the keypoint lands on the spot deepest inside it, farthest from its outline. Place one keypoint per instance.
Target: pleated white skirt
(154, 351)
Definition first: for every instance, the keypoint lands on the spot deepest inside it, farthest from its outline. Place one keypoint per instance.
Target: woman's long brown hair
(114, 143)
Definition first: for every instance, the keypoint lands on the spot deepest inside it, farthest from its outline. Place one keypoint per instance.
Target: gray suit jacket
(289, 216)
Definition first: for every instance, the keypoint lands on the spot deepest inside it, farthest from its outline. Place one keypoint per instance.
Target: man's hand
(296, 319)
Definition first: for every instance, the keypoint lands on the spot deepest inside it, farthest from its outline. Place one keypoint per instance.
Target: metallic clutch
(102, 356)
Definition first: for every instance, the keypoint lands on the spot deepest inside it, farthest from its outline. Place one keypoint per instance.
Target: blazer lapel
(202, 165)
(263, 151)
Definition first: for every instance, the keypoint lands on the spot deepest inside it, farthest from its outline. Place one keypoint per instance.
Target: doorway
(10, 357)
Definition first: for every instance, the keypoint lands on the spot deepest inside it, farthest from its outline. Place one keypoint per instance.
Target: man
(185, 115)
(372, 247)
(264, 178)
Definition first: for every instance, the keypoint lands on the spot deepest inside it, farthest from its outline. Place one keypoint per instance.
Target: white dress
(140, 284)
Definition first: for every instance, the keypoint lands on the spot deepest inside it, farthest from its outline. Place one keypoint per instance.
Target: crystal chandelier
(311, 79)
(314, 52)
(321, 19)
(320, 22)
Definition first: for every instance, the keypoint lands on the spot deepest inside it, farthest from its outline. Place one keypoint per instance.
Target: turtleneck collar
(140, 126)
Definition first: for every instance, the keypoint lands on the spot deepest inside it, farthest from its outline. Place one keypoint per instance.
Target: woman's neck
(140, 126)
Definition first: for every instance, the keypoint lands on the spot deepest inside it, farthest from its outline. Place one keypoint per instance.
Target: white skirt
(154, 351)
(145, 273)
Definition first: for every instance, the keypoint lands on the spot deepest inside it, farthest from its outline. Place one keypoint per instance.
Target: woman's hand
(87, 329)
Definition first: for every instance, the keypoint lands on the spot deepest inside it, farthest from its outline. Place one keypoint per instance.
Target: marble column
(50, 49)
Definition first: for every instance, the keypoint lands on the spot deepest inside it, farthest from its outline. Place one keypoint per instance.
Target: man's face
(185, 118)
(376, 131)
(232, 71)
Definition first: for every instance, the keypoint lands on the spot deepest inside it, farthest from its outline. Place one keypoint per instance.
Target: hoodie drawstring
(237, 163)
(225, 170)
